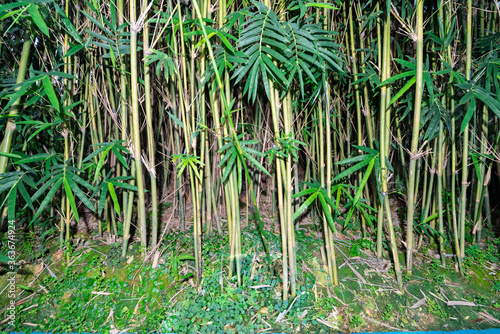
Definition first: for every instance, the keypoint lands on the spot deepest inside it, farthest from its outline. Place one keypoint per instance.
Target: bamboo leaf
(10, 155)
(43, 188)
(40, 129)
(51, 94)
(403, 90)
(71, 199)
(13, 5)
(17, 94)
(7, 184)
(70, 28)
(252, 151)
(326, 211)
(195, 170)
(265, 79)
(431, 217)
(11, 203)
(24, 193)
(102, 199)
(397, 77)
(468, 115)
(352, 169)
(488, 100)
(79, 193)
(176, 120)
(37, 19)
(119, 156)
(227, 155)
(360, 189)
(305, 192)
(256, 163)
(355, 159)
(304, 206)
(124, 185)
(101, 162)
(366, 149)
(47, 198)
(229, 165)
(112, 193)
(321, 5)
(36, 157)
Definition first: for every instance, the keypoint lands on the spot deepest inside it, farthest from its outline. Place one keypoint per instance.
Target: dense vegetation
(373, 126)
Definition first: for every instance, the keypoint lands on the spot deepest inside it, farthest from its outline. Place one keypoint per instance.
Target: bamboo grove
(110, 106)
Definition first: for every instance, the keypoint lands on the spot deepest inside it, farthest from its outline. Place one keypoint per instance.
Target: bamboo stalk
(149, 131)
(135, 28)
(10, 128)
(465, 148)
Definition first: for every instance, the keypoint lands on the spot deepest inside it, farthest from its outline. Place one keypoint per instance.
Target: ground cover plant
(101, 291)
(249, 166)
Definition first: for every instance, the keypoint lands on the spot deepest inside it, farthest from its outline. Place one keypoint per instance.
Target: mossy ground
(102, 292)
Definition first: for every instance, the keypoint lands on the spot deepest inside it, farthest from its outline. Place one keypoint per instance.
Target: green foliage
(439, 281)
(315, 190)
(434, 308)
(263, 53)
(283, 51)
(360, 244)
(286, 145)
(388, 311)
(102, 153)
(236, 153)
(176, 260)
(327, 304)
(165, 62)
(188, 160)
(355, 321)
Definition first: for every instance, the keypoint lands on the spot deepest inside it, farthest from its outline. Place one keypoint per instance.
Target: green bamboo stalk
(411, 195)
(66, 132)
(135, 28)
(231, 187)
(10, 127)
(128, 196)
(83, 129)
(483, 145)
(384, 146)
(329, 159)
(357, 97)
(128, 212)
(149, 132)
(440, 191)
(366, 104)
(465, 148)
(453, 164)
(287, 120)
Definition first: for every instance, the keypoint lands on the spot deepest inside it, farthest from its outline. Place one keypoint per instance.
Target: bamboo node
(135, 27)
(130, 147)
(151, 170)
(418, 155)
(139, 24)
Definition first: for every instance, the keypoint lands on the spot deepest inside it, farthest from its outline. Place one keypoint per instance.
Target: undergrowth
(101, 291)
